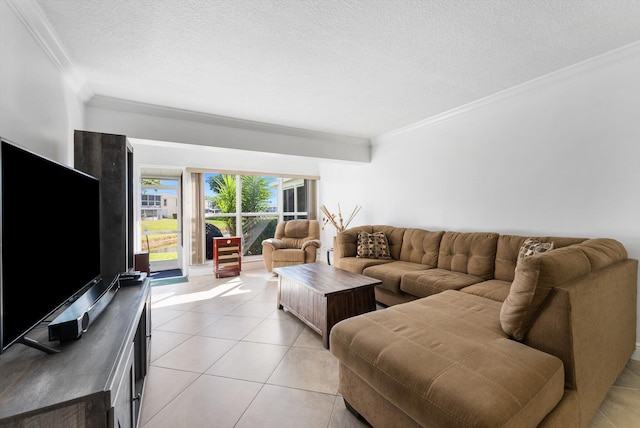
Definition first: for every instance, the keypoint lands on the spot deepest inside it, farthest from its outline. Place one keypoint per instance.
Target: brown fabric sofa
(472, 338)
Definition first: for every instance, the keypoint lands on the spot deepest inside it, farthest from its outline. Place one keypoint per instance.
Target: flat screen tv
(49, 237)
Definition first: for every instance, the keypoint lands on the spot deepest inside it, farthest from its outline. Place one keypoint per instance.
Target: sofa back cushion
(394, 238)
(509, 246)
(421, 246)
(294, 233)
(603, 252)
(473, 253)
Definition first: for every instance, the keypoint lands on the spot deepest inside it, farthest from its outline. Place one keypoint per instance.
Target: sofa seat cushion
(359, 264)
(391, 273)
(426, 283)
(286, 255)
(445, 361)
(494, 289)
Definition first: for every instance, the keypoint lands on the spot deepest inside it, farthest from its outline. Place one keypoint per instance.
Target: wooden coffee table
(322, 295)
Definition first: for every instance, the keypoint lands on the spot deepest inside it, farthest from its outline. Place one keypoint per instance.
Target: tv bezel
(66, 299)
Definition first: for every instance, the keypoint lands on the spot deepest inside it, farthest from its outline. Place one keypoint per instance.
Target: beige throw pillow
(526, 294)
(373, 245)
(518, 309)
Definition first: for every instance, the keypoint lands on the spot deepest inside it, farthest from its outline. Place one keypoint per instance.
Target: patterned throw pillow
(373, 245)
(531, 247)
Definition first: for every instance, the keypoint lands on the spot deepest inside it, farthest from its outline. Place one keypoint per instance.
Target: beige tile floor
(222, 355)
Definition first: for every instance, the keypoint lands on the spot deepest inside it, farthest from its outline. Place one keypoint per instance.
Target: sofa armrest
(268, 247)
(345, 244)
(273, 244)
(311, 243)
(310, 249)
(590, 324)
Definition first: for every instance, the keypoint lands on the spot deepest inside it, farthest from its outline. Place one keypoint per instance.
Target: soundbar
(77, 318)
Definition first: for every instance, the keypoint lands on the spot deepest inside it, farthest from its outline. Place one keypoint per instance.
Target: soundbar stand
(37, 345)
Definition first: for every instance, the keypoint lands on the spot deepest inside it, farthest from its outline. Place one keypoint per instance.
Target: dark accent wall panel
(109, 157)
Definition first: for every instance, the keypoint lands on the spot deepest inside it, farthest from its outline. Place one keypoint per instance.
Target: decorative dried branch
(338, 222)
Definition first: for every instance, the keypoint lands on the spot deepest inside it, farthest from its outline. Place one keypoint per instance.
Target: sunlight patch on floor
(171, 298)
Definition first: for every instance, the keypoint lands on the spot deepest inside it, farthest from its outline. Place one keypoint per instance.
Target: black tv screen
(50, 237)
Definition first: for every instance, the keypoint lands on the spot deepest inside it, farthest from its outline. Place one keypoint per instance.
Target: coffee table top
(324, 279)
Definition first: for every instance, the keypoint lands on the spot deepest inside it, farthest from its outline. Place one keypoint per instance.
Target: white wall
(38, 110)
(558, 156)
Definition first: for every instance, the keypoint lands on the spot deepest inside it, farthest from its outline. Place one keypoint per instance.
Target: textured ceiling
(351, 67)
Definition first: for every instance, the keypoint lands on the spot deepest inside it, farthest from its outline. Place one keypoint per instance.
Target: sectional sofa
(484, 329)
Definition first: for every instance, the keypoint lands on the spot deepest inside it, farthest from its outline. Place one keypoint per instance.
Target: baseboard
(636, 354)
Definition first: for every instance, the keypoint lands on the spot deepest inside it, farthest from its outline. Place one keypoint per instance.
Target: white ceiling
(359, 68)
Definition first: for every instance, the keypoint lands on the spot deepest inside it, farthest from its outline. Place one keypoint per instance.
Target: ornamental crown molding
(33, 18)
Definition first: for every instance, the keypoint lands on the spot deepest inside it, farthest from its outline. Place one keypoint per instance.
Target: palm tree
(225, 187)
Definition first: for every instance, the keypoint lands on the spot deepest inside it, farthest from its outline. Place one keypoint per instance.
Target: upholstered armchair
(295, 242)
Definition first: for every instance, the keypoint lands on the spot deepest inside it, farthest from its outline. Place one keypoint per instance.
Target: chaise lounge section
(478, 335)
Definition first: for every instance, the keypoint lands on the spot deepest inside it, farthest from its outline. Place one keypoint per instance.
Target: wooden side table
(227, 256)
(329, 251)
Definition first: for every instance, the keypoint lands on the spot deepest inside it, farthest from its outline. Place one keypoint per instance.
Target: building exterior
(158, 206)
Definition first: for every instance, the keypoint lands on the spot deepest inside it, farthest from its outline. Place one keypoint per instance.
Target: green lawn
(157, 257)
(159, 225)
(157, 242)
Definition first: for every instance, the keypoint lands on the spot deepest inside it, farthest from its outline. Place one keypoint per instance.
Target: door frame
(166, 174)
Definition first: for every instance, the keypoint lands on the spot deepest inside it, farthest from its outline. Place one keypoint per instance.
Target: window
(295, 198)
(301, 198)
(251, 205)
(151, 206)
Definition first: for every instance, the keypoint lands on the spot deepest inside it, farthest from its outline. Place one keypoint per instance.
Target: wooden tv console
(95, 381)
